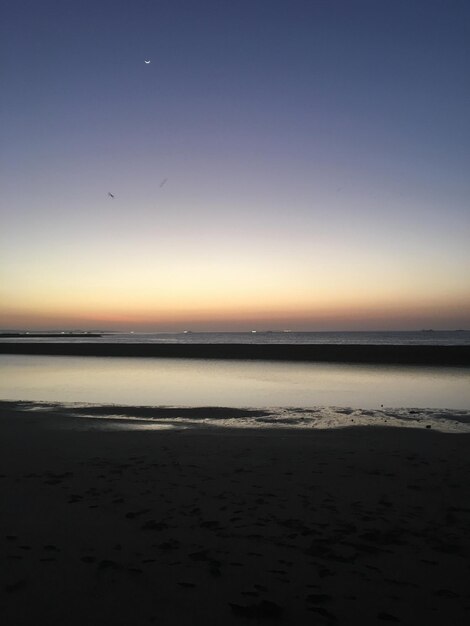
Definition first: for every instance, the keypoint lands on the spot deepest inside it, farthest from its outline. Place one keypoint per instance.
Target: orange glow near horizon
(329, 286)
(338, 316)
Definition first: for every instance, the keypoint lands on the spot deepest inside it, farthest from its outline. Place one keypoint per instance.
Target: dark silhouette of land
(451, 356)
(35, 335)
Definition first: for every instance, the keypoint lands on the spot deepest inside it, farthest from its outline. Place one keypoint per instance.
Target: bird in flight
(163, 182)
(111, 195)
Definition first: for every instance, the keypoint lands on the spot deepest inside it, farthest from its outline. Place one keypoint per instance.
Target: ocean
(421, 337)
(296, 394)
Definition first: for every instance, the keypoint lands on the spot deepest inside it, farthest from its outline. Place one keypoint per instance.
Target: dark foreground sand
(352, 526)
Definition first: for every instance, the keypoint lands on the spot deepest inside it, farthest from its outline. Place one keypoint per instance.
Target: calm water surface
(191, 382)
(423, 337)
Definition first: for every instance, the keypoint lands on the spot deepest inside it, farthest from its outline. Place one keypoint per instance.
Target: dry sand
(204, 526)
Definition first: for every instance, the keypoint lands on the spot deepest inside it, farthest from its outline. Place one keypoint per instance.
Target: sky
(279, 164)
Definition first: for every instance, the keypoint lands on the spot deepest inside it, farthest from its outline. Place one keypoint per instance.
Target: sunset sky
(316, 156)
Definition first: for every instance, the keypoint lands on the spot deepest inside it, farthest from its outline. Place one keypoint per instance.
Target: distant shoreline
(55, 335)
(435, 355)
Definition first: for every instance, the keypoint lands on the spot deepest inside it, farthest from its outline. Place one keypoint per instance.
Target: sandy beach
(104, 523)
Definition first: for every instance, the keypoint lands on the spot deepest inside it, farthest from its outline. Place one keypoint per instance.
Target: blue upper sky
(316, 156)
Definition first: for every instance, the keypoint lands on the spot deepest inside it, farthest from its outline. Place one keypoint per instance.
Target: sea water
(199, 382)
(259, 336)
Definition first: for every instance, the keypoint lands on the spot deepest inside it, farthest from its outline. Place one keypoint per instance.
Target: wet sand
(104, 525)
(458, 356)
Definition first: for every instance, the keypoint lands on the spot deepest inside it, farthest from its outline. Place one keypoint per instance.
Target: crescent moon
(147, 62)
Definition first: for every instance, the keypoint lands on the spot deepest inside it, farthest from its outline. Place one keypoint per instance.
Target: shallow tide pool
(198, 382)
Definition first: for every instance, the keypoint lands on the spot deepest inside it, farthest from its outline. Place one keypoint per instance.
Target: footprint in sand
(108, 564)
(261, 610)
(88, 559)
(16, 586)
(134, 514)
(387, 617)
